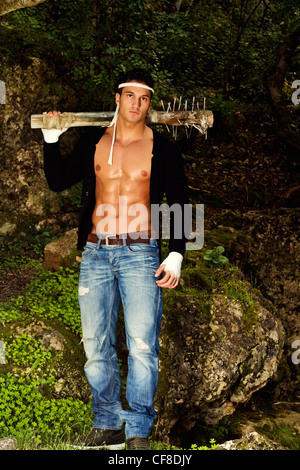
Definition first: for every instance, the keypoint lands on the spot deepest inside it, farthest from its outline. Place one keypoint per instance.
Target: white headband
(115, 118)
(140, 85)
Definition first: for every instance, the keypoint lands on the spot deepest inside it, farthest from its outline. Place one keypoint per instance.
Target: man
(126, 169)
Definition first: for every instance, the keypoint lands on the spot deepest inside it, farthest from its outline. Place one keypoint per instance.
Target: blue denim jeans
(110, 275)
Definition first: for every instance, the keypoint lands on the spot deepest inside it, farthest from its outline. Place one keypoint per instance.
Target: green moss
(240, 291)
(70, 261)
(287, 436)
(197, 277)
(223, 236)
(201, 280)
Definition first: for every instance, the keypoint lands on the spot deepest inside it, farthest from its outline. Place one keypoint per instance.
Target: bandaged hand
(54, 124)
(172, 268)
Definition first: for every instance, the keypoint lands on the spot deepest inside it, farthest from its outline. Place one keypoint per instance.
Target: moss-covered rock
(219, 344)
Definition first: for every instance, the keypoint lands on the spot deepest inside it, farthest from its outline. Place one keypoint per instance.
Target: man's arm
(61, 173)
(176, 188)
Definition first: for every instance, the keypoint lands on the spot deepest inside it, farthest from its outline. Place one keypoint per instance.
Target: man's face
(134, 103)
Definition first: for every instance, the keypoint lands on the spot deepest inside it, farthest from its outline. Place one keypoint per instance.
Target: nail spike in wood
(174, 132)
(179, 105)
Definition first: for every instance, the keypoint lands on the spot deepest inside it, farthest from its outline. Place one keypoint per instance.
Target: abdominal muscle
(118, 212)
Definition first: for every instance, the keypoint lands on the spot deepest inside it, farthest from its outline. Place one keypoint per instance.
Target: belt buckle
(106, 240)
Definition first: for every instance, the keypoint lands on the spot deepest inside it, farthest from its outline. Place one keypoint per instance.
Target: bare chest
(131, 161)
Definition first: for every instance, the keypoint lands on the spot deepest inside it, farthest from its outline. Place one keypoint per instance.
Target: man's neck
(128, 132)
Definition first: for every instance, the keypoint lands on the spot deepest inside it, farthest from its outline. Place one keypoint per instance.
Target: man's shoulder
(163, 145)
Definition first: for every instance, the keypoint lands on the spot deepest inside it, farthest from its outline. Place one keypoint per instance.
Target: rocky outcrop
(62, 252)
(215, 358)
(23, 187)
(68, 370)
(211, 363)
(252, 441)
(280, 423)
(7, 443)
(272, 260)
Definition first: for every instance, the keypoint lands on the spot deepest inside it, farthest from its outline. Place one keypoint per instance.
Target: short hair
(138, 75)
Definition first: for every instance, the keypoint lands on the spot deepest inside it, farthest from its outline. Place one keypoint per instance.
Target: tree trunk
(7, 6)
(283, 118)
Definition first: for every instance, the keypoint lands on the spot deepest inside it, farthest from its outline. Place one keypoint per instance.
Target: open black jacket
(167, 178)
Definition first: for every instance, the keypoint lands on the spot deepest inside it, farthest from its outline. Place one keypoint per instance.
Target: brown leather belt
(144, 237)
